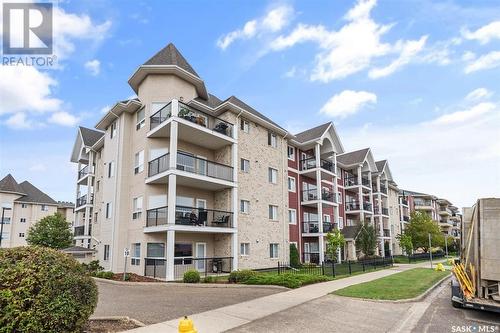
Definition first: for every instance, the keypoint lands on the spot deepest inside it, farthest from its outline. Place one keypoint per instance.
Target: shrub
(92, 267)
(286, 280)
(191, 276)
(43, 290)
(241, 276)
(294, 256)
(104, 275)
(209, 279)
(369, 258)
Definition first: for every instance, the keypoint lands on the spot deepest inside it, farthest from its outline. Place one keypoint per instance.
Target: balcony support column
(170, 254)
(321, 239)
(234, 201)
(360, 195)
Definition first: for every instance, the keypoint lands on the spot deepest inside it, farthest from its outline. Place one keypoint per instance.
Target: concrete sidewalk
(229, 317)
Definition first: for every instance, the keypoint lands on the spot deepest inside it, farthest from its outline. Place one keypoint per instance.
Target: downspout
(285, 180)
(115, 194)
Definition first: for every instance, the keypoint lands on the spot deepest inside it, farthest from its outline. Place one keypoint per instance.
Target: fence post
(278, 267)
(333, 269)
(363, 263)
(350, 271)
(323, 268)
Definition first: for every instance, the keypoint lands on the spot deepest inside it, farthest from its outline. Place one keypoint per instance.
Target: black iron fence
(205, 266)
(419, 257)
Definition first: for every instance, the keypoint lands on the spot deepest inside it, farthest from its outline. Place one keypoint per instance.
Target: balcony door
(201, 165)
(201, 249)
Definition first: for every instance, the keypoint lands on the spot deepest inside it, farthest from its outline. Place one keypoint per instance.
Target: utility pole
(430, 249)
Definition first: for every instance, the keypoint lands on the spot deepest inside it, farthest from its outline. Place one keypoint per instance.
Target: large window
(273, 212)
(292, 216)
(245, 165)
(139, 162)
(183, 250)
(244, 249)
(291, 184)
(135, 259)
(244, 206)
(273, 175)
(291, 153)
(106, 252)
(141, 120)
(273, 250)
(137, 208)
(155, 250)
(272, 140)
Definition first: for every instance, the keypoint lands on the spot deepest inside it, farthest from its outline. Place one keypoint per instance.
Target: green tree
(294, 256)
(51, 231)
(367, 239)
(405, 243)
(419, 228)
(334, 241)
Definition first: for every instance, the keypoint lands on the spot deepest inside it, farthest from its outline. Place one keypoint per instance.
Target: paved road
(160, 302)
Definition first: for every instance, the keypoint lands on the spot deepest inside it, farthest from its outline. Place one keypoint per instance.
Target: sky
(417, 81)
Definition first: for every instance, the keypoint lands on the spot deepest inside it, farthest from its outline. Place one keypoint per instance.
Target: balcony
(355, 206)
(352, 180)
(383, 189)
(84, 200)
(195, 126)
(311, 196)
(387, 233)
(83, 172)
(423, 205)
(190, 216)
(445, 211)
(310, 163)
(190, 164)
(80, 231)
(312, 227)
(404, 201)
(406, 218)
(312, 257)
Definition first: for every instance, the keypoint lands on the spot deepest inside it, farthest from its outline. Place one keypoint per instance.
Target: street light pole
(430, 249)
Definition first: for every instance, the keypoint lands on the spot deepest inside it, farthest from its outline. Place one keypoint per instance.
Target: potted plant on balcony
(200, 120)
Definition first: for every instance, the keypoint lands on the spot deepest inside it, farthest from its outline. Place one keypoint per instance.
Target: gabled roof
(312, 133)
(350, 232)
(9, 184)
(34, 195)
(380, 165)
(170, 55)
(212, 101)
(65, 204)
(90, 136)
(239, 103)
(353, 157)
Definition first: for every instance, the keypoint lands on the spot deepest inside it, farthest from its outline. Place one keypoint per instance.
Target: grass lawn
(407, 284)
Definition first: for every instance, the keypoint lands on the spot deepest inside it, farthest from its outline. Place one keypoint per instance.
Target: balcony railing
(352, 205)
(404, 202)
(385, 211)
(79, 231)
(192, 216)
(406, 218)
(423, 203)
(83, 200)
(312, 194)
(310, 227)
(83, 172)
(195, 116)
(193, 164)
(352, 180)
(310, 163)
(365, 181)
(387, 233)
(6, 220)
(205, 266)
(312, 257)
(383, 189)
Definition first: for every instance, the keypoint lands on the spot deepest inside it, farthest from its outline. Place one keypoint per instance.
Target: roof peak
(170, 55)
(9, 184)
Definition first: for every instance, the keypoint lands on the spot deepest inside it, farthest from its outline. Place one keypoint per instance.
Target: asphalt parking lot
(157, 302)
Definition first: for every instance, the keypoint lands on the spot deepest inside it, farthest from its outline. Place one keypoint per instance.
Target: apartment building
(22, 205)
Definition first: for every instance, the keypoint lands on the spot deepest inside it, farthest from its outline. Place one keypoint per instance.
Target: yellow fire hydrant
(439, 267)
(186, 325)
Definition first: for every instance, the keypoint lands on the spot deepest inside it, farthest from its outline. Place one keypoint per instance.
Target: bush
(104, 275)
(209, 279)
(92, 267)
(191, 276)
(294, 256)
(43, 290)
(241, 276)
(286, 280)
(369, 258)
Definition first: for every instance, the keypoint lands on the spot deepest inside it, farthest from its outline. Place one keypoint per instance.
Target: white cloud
(291, 72)
(63, 118)
(105, 109)
(347, 103)
(484, 34)
(38, 167)
(478, 94)
(487, 61)
(469, 114)
(408, 51)
(272, 22)
(93, 66)
(468, 55)
(19, 121)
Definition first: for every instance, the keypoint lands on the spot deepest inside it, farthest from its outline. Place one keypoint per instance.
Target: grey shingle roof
(380, 164)
(353, 157)
(90, 136)
(9, 184)
(169, 55)
(213, 101)
(65, 204)
(238, 102)
(73, 249)
(34, 195)
(350, 232)
(312, 133)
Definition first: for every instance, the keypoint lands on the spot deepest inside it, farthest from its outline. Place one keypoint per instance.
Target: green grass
(407, 284)
(286, 280)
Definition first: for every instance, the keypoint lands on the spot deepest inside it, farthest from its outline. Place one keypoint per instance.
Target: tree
(51, 231)
(405, 243)
(419, 228)
(294, 256)
(367, 239)
(334, 241)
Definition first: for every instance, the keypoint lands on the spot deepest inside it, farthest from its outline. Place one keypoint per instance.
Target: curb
(116, 318)
(189, 285)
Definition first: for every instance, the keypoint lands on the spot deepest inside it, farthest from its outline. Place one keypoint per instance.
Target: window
(183, 250)
(112, 132)
(272, 140)
(23, 220)
(141, 120)
(45, 208)
(111, 169)
(106, 252)
(98, 185)
(5, 235)
(245, 126)
(273, 175)
(339, 197)
(341, 222)
(326, 218)
(24, 205)
(6, 220)
(137, 208)
(291, 184)
(273, 250)
(155, 250)
(95, 217)
(244, 206)
(292, 216)
(244, 249)
(245, 165)
(139, 162)
(291, 153)
(21, 234)
(109, 210)
(273, 212)
(136, 254)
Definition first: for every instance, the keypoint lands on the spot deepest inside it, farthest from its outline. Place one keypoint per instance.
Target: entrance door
(200, 253)
(307, 255)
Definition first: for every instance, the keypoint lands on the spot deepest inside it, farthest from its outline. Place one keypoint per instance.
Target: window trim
(273, 254)
(272, 209)
(270, 175)
(245, 125)
(137, 212)
(247, 206)
(247, 251)
(292, 158)
(294, 190)
(242, 165)
(294, 214)
(138, 162)
(140, 123)
(135, 260)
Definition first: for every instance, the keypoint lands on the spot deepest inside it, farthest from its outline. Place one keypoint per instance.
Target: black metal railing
(203, 119)
(331, 268)
(206, 266)
(310, 257)
(185, 215)
(155, 267)
(367, 206)
(160, 116)
(327, 226)
(387, 233)
(422, 203)
(352, 205)
(79, 231)
(351, 180)
(83, 200)
(83, 172)
(404, 202)
(311, 227)
(406, 218)
(156, 217)
(385, 211)
(158, 165)
(310, 163)
(365, 181)
(200, 166)
(309, 195)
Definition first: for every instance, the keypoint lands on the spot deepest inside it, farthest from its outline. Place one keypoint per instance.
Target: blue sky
(415, 80)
